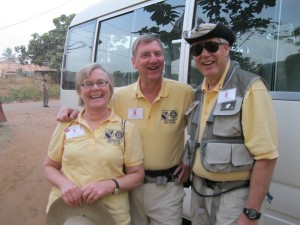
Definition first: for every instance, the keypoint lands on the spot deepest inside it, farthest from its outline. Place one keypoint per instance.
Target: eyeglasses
(210, 46)
(90, 84)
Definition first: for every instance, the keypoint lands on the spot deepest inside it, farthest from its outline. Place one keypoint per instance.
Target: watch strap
(252, 214)
(117, 189)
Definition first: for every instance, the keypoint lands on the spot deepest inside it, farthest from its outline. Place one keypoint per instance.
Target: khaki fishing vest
(222, 145)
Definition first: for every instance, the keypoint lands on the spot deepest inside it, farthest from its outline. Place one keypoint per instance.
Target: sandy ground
(24, 139)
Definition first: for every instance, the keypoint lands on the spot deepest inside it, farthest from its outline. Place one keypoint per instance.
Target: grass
(19, 89)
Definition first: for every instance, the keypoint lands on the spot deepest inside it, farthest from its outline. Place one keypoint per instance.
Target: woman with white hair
(97, 155)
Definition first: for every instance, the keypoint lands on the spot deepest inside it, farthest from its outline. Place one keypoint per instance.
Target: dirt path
(24, 139)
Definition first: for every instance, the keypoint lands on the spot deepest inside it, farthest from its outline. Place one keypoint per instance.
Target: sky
(20, 19)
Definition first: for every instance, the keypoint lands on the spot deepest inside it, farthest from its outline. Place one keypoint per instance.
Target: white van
(267, 43)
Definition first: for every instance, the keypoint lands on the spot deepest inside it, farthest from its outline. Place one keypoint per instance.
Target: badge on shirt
(74, 131)
(228, 106)
(135, 113)
(227, 95)
(169, 116)
(113, 136)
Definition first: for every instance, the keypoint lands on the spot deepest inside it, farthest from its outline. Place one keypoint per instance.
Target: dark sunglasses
(210, 46)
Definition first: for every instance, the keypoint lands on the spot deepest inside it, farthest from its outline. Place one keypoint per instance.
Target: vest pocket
(241, 156)
(227, 119)
(226, 157)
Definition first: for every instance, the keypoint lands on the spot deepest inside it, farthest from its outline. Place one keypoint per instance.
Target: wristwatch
(252, 214)
(117, 189)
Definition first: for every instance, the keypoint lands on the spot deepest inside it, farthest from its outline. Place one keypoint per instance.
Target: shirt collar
(164, 90)
(79, 119)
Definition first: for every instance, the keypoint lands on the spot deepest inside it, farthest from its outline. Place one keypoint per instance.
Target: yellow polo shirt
(258, 123)
(89, 156)
(161, 125)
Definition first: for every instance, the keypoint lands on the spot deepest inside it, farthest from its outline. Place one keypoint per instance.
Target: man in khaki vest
(234, 134)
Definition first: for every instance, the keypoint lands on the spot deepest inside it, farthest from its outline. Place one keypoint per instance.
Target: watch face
(252, 214)
(117, 190)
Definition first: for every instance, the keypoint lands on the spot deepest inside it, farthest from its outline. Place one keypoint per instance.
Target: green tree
(22, 54)
(47, 49)
(9, 55)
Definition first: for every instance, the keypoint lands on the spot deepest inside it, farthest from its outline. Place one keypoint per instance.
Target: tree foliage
(163, 14)
(22, 54)
(9, 55)
(47, 49)
(240, 15)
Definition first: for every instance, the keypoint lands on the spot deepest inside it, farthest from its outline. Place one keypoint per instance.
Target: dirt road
(24, 139)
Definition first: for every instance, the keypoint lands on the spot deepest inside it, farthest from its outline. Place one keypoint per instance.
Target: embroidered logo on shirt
(113, 136)
(169, 116)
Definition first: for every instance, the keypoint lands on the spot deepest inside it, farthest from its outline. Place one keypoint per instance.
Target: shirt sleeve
(56, 146)
(259, 122)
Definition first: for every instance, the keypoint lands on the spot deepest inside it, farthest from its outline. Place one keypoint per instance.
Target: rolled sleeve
(259, 122)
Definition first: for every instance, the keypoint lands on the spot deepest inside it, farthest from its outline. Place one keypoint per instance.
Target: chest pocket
(227, 119)
(226, 155)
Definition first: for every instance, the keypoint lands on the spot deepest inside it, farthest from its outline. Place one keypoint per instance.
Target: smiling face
(149, 60)
(96, 90)
(212, 65)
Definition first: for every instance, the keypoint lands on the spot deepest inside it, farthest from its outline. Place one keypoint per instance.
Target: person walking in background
(156, 106)
(44, 88)
(233, 134)
(98, 155)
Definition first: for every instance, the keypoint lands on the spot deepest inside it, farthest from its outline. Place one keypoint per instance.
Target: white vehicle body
(267, 44)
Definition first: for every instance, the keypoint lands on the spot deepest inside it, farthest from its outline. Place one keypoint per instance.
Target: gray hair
(85, 72)
(145, 38)
(222, 40)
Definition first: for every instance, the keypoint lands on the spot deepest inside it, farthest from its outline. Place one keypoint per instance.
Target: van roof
(102, 8)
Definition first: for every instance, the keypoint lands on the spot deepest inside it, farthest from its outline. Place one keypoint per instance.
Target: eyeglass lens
(211, 47)
(99, 83)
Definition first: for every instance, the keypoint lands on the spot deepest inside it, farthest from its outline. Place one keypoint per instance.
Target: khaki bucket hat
(88, 214)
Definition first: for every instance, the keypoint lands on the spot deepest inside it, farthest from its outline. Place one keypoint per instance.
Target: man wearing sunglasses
(233, 134)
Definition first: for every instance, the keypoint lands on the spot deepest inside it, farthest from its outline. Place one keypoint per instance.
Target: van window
(78, 51)
(164, 19)
(267, 42)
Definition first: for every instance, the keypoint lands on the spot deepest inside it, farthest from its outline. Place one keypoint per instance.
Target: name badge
(74, 131)
(135, 113)
(227, 95)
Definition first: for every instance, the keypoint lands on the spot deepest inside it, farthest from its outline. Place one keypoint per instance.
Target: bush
(26, 91)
